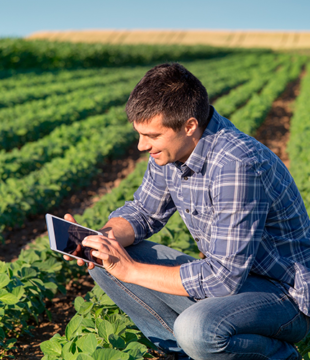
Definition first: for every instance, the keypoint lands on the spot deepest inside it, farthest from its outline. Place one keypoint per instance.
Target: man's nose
(143, 144)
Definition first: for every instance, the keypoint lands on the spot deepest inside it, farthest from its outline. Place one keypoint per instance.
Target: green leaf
(98, 322)
(18, 292)
(136, 350)
(50, 285)
(78, 303)
(105, 329)
(110, 354)
(87, 344)
(88, 323)
(129, 337)
(10, 272)
(51, 265)
(7, 298)
(73, 327)
(2, 266)
(97, 291)
(51, 347)
(98, 312)
(85, 308)
(105, 300)
(66, 353)
(84, 357)
(117, 342)
(27, 273)
(4, 280)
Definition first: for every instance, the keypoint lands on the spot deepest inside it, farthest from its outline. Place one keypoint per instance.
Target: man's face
(164, 144)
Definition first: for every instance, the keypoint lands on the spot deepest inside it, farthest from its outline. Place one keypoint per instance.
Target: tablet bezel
(52, 240)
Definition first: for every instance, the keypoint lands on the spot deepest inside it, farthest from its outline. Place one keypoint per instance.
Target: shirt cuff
(191, 279)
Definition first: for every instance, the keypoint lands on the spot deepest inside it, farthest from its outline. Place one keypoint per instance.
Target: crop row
(228, 104)
(32, 108)
(22, 54)
(30, 122)
(250, 117)
(34, 125)
(37, 78)
(23, 94)
(44, 188)
(32, 156)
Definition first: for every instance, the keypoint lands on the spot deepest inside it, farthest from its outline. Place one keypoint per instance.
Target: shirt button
(196, 239)
(187, 210)
(185, 178)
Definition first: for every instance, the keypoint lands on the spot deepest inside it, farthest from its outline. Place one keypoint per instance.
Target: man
(250, 297)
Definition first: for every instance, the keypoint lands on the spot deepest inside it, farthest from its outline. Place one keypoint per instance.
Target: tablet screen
(68, 236)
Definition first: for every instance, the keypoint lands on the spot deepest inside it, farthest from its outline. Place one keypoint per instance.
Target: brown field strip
(244, 39)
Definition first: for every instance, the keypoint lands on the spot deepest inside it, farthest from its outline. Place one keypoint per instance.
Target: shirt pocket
(202, 223)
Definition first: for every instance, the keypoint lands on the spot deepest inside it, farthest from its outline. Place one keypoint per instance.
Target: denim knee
(199, 336)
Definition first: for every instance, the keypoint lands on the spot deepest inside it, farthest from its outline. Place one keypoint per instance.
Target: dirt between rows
(274, 133)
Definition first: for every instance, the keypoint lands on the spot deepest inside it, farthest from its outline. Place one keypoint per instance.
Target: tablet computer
(66, 238)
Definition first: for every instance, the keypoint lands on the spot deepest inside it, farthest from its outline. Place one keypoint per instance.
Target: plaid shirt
(242, 207)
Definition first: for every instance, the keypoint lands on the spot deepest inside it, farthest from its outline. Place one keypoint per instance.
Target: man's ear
(190, 126)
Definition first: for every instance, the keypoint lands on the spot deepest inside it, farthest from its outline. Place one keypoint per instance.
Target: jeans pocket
(294, 330)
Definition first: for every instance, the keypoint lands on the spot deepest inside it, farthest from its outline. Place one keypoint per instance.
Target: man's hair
(170, 90)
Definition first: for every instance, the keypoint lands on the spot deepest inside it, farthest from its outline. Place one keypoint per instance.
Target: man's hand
(78, 250)
(114, 257)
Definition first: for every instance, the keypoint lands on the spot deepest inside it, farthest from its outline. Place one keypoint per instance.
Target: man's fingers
(90, 265)
(70, 218)
(111, 235)
(80, 262)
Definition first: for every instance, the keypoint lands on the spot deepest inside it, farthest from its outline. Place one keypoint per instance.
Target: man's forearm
(122, 230)
(165, 279)
(117, 261)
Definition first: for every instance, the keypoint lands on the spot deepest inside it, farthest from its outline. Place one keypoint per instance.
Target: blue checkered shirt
(242, 207)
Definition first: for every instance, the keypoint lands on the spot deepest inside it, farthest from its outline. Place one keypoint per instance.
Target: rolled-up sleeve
(240, 212)
(152, 206)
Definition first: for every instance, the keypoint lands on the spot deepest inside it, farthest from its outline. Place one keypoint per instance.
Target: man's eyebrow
(147, 134)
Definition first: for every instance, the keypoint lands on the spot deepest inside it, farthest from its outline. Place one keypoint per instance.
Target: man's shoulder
(232, 145)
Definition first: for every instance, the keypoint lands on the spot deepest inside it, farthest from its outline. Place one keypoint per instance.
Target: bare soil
(274, 133)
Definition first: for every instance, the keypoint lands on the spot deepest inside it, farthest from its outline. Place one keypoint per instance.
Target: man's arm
(122, 230)
(117, 262)
(152, 206)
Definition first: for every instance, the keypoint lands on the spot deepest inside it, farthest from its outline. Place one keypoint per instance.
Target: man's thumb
(111, 235)
(70, 218)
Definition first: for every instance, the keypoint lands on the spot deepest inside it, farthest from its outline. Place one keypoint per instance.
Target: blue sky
(22, 17)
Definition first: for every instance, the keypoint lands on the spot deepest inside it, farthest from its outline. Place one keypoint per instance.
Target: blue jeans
(260, 322)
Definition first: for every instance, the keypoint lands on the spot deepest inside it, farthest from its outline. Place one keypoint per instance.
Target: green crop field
(61, 117)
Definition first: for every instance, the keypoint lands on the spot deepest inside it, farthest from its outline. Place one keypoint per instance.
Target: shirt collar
(197, 158)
